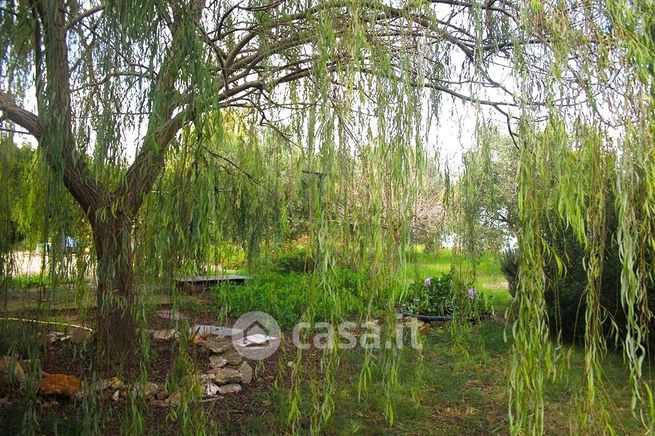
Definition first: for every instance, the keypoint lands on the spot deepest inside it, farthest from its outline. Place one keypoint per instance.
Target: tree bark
(116, 337)
(110, 213)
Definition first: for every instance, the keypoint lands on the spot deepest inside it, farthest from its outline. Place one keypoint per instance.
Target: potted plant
(431, 300)
(434, 299)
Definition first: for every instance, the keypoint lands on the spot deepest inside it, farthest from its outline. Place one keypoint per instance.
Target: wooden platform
(200, 283)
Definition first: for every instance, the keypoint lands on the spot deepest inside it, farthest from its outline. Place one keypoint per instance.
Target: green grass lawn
(490, 279)
(456, 385)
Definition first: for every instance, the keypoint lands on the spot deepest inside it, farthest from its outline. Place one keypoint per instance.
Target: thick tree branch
(162, 125)
(148, 164)
(57, 139)
(17, 115)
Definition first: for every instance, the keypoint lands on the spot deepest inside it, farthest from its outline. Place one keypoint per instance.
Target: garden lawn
(490, 279)
(457, 385)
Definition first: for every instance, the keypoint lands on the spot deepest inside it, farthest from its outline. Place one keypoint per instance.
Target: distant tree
(17, 161)
(429, 214)
(487, 192)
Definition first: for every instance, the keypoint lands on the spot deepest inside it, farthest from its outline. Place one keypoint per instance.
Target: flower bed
(439, 299)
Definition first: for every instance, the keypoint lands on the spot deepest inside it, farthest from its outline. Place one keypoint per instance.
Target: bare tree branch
(82, 16)
(20, 116)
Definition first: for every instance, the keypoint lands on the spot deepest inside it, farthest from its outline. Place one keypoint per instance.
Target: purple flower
(427, 282)
(471, 293)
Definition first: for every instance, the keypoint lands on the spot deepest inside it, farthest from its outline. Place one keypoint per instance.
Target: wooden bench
(202, 283)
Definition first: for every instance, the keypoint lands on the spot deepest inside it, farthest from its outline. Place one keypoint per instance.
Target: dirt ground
(60, 413)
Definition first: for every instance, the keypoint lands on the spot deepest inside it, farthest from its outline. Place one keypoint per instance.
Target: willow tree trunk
(53, 127)
(116, 337)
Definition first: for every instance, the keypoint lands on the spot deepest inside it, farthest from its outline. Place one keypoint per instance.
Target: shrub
(231, 256)
(24, 281)
(565, 295)
(278, 295)
(479, 306)
(509, 265)
(441, 296)
(287, 296)
(431, 296)
(293, 260)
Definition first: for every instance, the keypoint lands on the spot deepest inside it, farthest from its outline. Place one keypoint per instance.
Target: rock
(175, 399)
(217, 345)
(233, 358)
(258, 339)
(246, 372)
(60, 384)
(229, 389)
(211, 389)
(226, 332)
(116, 396)
(217, 361)
(147, 390)
(207, 377)
(11, 370)
(164, 335)
(227, 375)
(79, 335)
(113, 383)
(198, 339)
(55, 336)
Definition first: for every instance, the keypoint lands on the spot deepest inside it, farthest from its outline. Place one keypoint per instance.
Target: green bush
(477, 306)
(24, 281)
(565, 295)
(287, 296)
(509, 265)
(441, 296)
(294, 260)
(431, 296)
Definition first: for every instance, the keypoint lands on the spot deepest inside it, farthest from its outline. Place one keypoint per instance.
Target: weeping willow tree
(115, 92)
(564, 170)
(116, 82)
